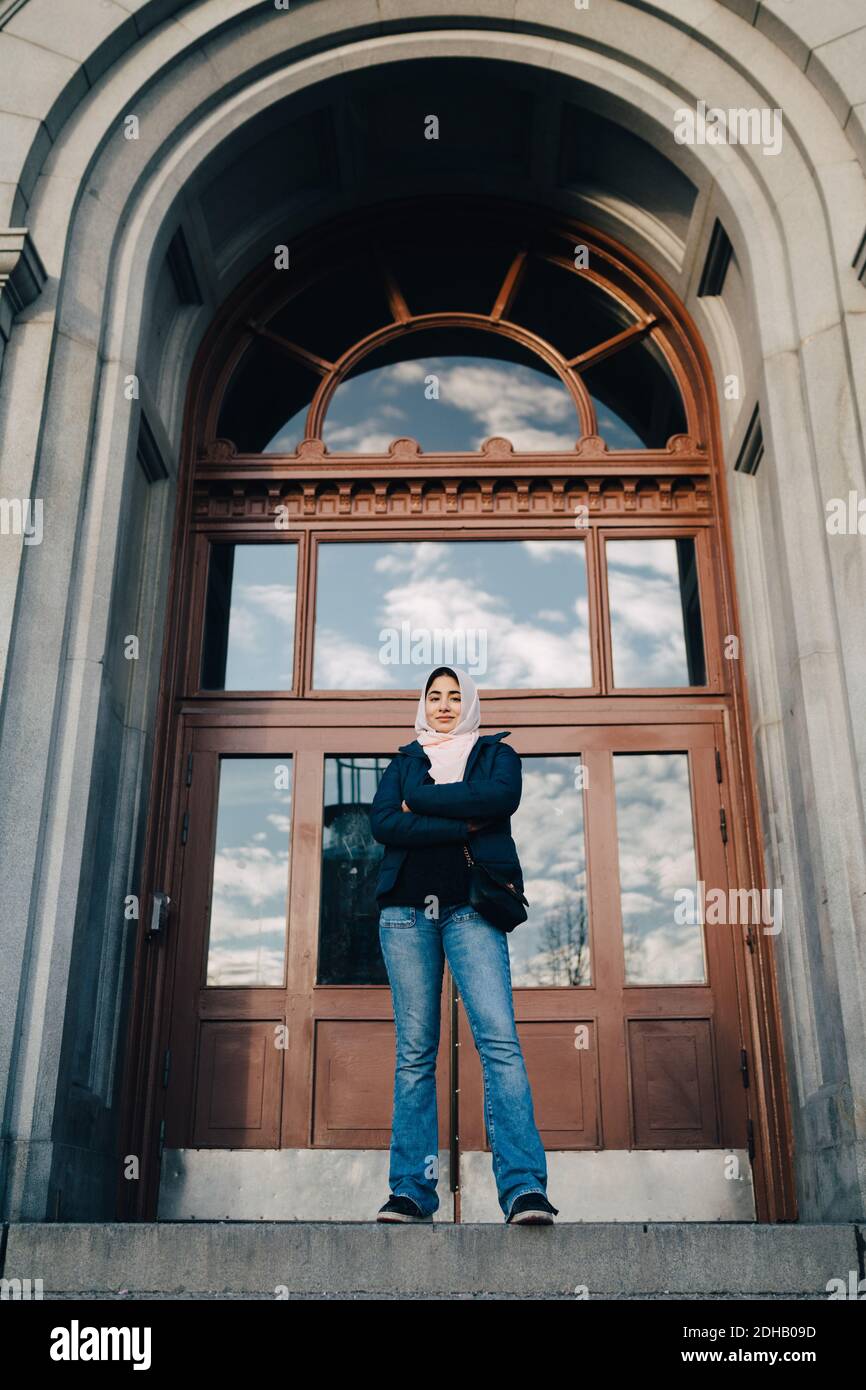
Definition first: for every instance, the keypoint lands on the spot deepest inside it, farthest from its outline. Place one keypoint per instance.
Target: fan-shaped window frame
(631, 297)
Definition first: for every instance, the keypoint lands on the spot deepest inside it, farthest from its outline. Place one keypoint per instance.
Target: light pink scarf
(448, 752)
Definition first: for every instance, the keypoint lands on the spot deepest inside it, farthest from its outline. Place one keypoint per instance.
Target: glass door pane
(552, 947)
(662, 935)
(247, 930)
(349, 952)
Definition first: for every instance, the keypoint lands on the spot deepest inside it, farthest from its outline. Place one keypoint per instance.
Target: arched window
(497, 324)
(450, 389)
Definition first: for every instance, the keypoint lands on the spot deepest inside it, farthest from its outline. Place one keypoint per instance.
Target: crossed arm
(391, 825)
(444, 813)
(486, 798)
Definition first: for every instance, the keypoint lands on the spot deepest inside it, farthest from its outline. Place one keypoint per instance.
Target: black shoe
(402, 1209)
(532, 1209)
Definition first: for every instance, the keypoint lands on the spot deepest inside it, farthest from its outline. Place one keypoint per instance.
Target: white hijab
(448, 752)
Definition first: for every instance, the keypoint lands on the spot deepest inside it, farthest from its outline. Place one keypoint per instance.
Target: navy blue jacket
(491, 788)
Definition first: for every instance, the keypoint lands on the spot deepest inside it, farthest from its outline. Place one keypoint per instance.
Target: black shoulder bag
(498, 901)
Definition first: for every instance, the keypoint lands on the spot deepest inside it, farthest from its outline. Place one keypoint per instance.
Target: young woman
(452, 787)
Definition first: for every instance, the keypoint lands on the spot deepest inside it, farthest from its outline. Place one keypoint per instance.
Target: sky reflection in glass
(512, 613)
(255, 596)
(250, 876)
(657, 857)
(478, 398)
(646, 614)
(552, 947)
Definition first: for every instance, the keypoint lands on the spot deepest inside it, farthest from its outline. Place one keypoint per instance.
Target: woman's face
(442, 705)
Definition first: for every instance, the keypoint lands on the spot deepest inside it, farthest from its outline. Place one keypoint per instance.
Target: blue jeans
(415, 948)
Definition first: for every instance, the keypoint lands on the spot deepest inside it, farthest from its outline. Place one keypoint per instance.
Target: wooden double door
(628, 1005)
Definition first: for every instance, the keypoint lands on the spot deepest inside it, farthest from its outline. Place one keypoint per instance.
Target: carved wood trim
(337, 499)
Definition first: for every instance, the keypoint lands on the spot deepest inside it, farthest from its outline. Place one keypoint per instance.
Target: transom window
(521, 613)
(456, 337)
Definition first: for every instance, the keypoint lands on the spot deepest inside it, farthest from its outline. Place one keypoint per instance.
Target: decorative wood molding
(497, 448)
(590, 446)
(223, 453)
(404, 449)
(543, 498)
(683, 444)
(218, 451)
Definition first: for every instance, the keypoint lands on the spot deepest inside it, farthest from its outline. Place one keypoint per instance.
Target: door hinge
(723, 825)
(166, 1068)
(750, 1139)
(161, 1140)
(184, 829)
(744, 1066)
(189, 770)
(718, 766)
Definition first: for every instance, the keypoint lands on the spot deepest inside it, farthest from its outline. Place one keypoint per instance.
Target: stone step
(258, 1259)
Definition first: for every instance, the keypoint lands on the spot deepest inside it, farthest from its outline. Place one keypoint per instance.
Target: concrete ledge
(258, 1258)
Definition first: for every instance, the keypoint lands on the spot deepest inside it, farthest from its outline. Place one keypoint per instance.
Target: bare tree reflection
(563, 941)
(633, 955)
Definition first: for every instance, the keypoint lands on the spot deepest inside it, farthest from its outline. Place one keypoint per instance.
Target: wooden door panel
(561, 1062)
(724, 945)
(673, 1089)
(226, 1058)
(354, 1083)
(561, 1059)
(237, 1103)
(191, 911)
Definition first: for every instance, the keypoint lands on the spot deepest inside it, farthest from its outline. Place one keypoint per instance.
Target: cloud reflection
(552, 946)
(646, 613)
(500, 588)
(246, 943)
(656, 857)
